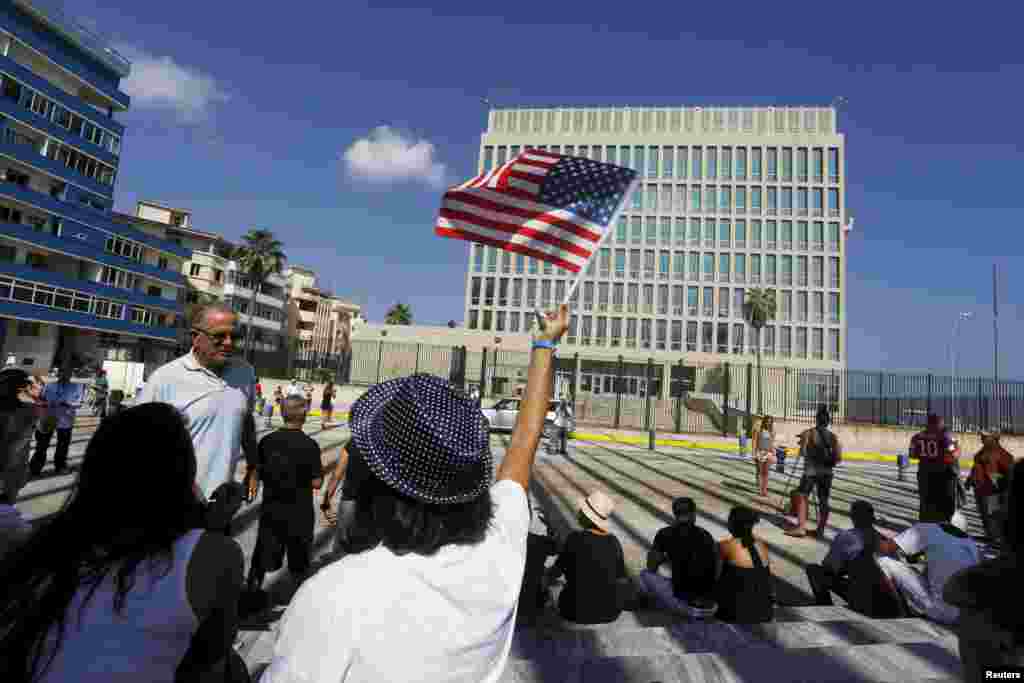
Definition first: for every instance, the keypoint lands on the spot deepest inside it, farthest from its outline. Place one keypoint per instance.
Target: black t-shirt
(289, 461)
(355, 474)
(591, 563)
(692, 552)
(538, 549)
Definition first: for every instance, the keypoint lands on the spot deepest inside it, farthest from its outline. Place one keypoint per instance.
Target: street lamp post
(967, 315)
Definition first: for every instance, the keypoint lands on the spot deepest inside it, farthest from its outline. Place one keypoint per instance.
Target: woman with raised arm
(436, 548)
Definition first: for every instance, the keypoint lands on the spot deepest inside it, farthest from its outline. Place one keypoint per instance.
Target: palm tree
(758, 310)
(399, 314)
(260, 256)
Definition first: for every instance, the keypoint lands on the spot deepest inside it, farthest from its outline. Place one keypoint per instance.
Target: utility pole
(995, 345)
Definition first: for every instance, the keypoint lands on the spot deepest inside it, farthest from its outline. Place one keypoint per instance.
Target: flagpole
(583, 269)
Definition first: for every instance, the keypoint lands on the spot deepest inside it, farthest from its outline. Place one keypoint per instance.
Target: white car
(502, 416)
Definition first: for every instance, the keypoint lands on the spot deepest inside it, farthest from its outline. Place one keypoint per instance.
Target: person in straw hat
(593, 565)
(429, 586)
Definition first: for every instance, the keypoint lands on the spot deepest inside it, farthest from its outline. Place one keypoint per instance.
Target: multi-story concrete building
(731, 198)
(319, 323)
(74, 283)
(211, 272)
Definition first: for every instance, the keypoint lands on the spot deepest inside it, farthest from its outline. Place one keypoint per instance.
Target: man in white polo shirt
(215, 392)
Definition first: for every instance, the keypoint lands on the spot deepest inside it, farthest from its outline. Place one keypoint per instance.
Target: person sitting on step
(948, 549)
(821, 452)
(540, 545)
(693, 556)
(593, 564)
(991, 627)
(745, 590)
(850, 569)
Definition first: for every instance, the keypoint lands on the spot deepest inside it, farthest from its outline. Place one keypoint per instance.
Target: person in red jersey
(937, 470)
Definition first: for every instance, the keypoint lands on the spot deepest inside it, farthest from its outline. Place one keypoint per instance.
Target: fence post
(785, 394)
(679, 399)
(575, 378)
(650, 405)
(750, 388)
(725, 405)
(380, 357)
(483, 374)
(416, 371)
(928, 405)
(618, 392)
(982, 413)
(881, 397)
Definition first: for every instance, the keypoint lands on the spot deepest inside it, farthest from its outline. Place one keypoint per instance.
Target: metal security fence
(688, 398)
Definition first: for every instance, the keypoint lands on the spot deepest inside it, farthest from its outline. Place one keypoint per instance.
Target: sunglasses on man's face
(219, 337)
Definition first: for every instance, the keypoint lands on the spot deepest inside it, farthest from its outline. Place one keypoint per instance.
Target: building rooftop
(52, 14)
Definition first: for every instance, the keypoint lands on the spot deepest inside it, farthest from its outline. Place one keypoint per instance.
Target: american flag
(549, 206)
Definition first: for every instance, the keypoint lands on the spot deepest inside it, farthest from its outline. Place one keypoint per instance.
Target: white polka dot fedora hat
(422, 437)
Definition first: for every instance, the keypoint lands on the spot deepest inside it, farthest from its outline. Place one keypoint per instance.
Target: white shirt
(215, 406)
(56, 393)
(293, 390)
(376, 616)
(946, 554)
(145, 642)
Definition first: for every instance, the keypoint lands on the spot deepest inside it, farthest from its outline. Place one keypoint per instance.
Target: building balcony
(29, 154)
(90, 247)
(82, 320)
(77, 216)
(53, 279)
(10, 108)
(69, 102)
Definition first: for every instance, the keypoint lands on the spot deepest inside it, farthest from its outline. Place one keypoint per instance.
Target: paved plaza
(643, 484)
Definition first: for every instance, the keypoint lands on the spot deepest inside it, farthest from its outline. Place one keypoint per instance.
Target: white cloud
(160, 83)
(387, 156)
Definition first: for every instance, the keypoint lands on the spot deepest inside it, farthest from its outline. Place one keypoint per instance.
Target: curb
(866, 456)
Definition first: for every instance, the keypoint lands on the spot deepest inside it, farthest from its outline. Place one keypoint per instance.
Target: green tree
(399, 314)
(260, 256)
(758, 310)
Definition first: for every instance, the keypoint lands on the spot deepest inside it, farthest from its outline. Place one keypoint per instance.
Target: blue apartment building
(75, 286)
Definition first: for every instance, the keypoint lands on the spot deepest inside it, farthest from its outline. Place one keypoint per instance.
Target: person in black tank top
(745, 595)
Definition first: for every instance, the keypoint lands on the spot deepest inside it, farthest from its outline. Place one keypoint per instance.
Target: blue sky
(243, 113)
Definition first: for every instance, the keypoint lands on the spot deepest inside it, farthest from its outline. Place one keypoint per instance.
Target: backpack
(822, 453)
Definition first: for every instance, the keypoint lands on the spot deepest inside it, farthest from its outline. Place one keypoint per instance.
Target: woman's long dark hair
(741, 525)
(133, 499)
(12, 382)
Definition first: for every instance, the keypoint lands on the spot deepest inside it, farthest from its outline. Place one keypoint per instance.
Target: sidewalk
(723, 444)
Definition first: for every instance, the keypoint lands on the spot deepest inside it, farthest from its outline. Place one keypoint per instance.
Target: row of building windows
(196, 270)
(55, 113)
(741, 234)
(68, 300)
(70, 157)
(735, 199)
(651, 264)
(802, 164)
(241, 279)
(668, 300)
(241, 305)
(81, 163)
(665, 120)
(667, 335)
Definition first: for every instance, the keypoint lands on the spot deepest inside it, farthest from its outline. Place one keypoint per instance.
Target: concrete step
(757, 664)
(714, 636)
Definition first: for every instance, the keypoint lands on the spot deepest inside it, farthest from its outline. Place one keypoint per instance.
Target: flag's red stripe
(525, 214)
(505, 246)
(515, 229)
